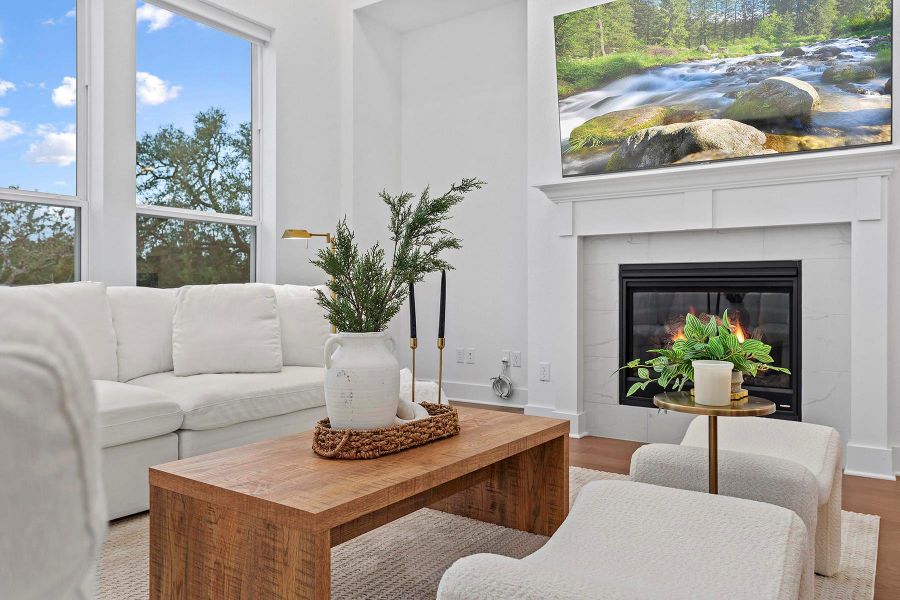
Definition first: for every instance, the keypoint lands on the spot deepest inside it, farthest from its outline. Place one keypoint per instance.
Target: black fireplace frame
(758, 274)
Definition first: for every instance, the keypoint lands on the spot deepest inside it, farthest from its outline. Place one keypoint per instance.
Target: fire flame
(736, 328)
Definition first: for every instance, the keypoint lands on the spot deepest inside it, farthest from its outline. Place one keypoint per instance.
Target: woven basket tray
(357, 444)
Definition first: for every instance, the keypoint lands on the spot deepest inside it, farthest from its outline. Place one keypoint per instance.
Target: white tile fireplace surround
(830, 213)
(824, 251)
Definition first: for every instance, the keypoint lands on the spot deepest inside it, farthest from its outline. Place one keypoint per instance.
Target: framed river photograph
(655, 83)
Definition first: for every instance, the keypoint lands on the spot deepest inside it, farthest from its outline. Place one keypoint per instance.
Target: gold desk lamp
(303, 234)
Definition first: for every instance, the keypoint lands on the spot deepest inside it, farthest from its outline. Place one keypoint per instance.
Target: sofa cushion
(143, 321)
(219, 400)
(129, 413)
(230, 328)
(84, 306)
(304, 328)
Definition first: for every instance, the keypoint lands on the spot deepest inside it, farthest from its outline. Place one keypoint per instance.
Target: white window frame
(262, 218)
(80, 200)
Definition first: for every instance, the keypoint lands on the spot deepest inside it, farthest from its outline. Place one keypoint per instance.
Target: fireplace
(763, 302)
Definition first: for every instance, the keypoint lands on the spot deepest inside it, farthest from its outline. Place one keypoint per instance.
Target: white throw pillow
(85, 307)
(230, 328)
(304, 328)
(143, 321)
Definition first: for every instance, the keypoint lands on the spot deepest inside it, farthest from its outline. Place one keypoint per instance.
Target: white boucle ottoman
(816, 447)
(631, 540)
(741, 475)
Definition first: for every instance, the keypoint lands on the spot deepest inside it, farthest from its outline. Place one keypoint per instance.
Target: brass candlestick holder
(413, 344)
(440, 345)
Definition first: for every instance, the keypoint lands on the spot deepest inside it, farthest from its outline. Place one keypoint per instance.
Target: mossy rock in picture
(668, 144)
(775, 98)
(843, 73)
(616, 126)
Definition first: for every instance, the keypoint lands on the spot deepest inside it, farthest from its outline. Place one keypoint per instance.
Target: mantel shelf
(756, 172)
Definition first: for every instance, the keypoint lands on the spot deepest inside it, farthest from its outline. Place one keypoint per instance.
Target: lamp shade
(296, 234)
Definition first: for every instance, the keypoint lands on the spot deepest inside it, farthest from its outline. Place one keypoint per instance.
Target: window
(197, 218)
(37, 243)
(40, 190)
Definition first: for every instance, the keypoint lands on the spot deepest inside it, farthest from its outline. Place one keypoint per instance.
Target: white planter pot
(712, 382)
(362, 380)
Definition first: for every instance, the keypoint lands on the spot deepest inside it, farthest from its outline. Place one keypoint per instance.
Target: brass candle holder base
(413, 344)
(440, 345)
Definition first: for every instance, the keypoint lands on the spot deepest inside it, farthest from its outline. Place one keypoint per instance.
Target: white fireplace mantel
(738, 173)
(845, 187)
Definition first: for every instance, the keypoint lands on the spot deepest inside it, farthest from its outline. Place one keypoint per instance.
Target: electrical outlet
(504, 356)
(545, 372)
(460, 355)
(517, 358)
(470, 356)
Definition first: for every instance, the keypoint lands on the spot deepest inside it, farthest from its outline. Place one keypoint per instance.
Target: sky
(183, 67)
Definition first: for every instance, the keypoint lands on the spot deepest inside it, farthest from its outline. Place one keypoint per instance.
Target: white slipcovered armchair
(52, 513)
(815, 448)
(627, 540)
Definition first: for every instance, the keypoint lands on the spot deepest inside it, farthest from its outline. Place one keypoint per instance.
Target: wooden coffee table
(259, 521)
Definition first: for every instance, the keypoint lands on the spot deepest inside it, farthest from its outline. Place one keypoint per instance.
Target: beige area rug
(406, 558)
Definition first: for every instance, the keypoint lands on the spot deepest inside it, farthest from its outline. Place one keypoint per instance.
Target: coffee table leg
(528, 491)
(200, 550)
(713, 455)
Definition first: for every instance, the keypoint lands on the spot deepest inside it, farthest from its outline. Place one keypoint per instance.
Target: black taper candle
(443, 304)
(412, 310)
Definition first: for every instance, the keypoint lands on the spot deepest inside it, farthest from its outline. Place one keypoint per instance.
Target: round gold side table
(751, 406)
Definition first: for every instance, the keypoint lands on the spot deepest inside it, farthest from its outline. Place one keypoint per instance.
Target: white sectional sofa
(135, 342)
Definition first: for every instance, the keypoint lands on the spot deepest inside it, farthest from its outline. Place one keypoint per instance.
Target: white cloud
(2, 41)
(6, 86)
(157, 18)
(153, 91)
(64, 95)
(55, 147)
(69, 15)
(9, 129)
(3, 111)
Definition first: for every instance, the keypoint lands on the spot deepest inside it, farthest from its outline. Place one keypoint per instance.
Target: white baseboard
(870, 461)
(897, 460)
(480, 393)
(578, 421)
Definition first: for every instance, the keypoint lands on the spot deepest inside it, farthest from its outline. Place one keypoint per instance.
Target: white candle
(712, 382)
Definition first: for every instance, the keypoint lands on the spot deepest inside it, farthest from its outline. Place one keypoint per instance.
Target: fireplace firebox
(763, 301)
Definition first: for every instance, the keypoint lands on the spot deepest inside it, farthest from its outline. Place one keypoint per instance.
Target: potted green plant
(362, 380)
(714, 340)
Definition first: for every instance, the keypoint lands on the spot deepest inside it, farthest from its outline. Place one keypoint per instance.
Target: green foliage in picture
(713, 340)
(367, 291)
(604, 43)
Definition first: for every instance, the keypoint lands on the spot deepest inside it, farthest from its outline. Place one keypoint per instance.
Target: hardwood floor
(860, 494)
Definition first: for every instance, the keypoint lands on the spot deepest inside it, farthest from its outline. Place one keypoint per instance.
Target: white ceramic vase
(362, 380)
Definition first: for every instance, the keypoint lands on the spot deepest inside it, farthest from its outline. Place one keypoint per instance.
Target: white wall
(308, 111)
(451, 105)
(463, 115)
